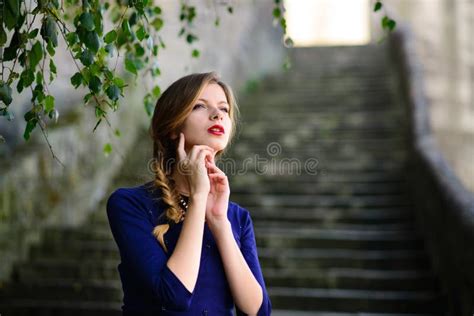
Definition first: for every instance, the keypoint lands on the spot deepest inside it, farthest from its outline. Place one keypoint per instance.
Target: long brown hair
(171, 111)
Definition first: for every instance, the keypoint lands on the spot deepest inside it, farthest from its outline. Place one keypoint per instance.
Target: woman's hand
(192, 166)
(218, 198)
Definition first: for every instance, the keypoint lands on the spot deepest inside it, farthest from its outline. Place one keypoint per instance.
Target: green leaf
(87, 97)
(385, 20)
(276, 12)
(86, 57)
(391, 24)
(117, 132)
(217, 21)
(5, 93)
(11, 13)
(3, 35)
(195, 53)
(30, 115)
(99, 27)
(52, 66)
(119, 82)
(94, 69)
(32, 34)
(110, 37)
(141, 33)
(35, 54)
(95, 84)
(378, 6)
(148, 103)
(49, 103)
(107, 149)
(30, 126)
(191, 38)
(92, 41)
(72, 38)
(230, 9)
(50, 48)
(76, 79)
(27, 77)
(49, 30)
(126, 28)
(156, 91)
(99, 112)
(10, 52)
(38, 93)
(139, 51)
(87, 21)
(130, 65)
(113, 92)
(157, 24)
(39, 77)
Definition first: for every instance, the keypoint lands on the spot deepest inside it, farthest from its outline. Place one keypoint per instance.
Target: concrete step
(286, 100)
(291, 312)
(55, 268)
(318, 175)
(320, 188)
(26, 307)
(337, 300)
(350, 278)
(320, 238)
(372, 216)
(408, 226)
(313, 140)
(316, 136)
(76, 249)
(67, 289)
(312, 258)
(330, 200)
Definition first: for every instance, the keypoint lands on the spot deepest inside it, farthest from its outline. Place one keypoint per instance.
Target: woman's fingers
(218, 176)
(181, 151)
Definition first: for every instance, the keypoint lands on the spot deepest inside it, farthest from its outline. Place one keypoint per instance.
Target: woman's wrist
(219, 227)
(198, 197)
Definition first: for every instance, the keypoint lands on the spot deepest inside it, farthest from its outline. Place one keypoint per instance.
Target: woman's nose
(215, 114)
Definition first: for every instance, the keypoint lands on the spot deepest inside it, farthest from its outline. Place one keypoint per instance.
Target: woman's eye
(226, 109)
(197, 105)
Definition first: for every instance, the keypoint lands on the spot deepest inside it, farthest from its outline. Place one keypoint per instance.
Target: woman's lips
(216, 129)
(215, 132)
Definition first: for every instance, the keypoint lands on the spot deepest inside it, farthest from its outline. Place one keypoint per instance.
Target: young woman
(185, 248)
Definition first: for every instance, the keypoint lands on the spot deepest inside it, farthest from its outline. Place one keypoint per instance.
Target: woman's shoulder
(136, 197)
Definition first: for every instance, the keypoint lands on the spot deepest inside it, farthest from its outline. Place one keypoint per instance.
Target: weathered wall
(444, 32)
(36, 191)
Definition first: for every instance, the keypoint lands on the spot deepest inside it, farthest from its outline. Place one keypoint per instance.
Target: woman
(185, 248)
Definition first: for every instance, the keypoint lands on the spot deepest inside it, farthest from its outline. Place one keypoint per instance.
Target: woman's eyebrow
(225, 102)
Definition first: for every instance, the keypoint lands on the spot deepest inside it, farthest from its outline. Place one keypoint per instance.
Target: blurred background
(355, 161)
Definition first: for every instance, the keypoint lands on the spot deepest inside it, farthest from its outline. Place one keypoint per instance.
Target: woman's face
(210, 109)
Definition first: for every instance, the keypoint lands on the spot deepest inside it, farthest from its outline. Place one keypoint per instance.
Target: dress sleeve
(249, 251)
(139, 249)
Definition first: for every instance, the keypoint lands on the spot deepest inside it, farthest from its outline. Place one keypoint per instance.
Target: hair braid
(170, 196)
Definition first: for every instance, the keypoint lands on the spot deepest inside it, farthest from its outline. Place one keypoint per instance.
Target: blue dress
(149, 286)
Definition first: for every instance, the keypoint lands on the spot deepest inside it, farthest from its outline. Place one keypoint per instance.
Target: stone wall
(36, 191)
(444, 32)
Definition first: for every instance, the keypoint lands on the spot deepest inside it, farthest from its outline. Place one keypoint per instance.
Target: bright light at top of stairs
(328, 22)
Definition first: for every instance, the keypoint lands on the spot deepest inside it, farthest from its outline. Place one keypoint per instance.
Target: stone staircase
(334, 222)
(324, 182)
